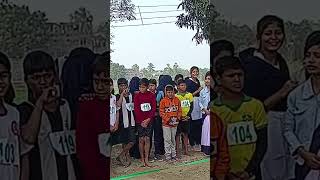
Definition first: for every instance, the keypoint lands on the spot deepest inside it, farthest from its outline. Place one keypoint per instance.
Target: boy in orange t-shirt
(220, 158)
(170, 112)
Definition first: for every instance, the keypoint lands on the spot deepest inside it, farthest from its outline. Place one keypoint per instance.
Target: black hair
(193, 68)
(122, 81)
(169, 88)
(10, 94)
(226, 63)
(153, 81)
(110, 81)
(38, 61)
(100, 65)
(144, 81)
(178, 76)
(181, 81)
(265, 21)
(207, 74)
(313, 39)
(220, 45)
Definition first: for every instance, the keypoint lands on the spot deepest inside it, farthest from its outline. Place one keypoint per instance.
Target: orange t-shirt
(170, 111)
(220, 159)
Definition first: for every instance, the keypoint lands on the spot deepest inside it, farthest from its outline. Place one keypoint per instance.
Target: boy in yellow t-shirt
(186, 100)
(245, 119)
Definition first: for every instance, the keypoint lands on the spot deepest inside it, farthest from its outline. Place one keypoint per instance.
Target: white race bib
(241, 133)
(129, 106)
(145, 107)
(214, 145)
(9, 154)
(64, 142)
(173, 121)
(104, 141)
(185, 103)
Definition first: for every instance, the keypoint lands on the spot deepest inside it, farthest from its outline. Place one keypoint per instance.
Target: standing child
(93, 126)
(170, 112)
(204, 102)
(186, 100)
(244, 118)
(156, 126)
(302, 122)
(126, 121)
(11, 167)
(144, 108)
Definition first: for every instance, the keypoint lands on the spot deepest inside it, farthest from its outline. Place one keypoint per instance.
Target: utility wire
(161, 6)
(167, 22)
(160, 17)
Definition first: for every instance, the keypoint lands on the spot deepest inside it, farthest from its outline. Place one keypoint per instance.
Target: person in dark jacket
(76, 77)
(267, 79)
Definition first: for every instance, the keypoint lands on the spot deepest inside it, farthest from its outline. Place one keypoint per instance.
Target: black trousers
(158, 136)
(195, 132)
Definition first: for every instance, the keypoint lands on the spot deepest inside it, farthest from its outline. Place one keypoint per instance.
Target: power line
(160, 17)
(150, 12)
(161, 6)
(168, 22)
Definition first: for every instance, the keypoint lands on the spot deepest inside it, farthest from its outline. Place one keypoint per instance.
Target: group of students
(265, 124)
(47, 138)
(168, 111)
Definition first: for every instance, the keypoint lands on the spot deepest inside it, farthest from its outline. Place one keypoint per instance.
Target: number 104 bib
(241, 133)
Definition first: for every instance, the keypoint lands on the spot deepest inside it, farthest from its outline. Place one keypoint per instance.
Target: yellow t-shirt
(242, 123)
(185, 99)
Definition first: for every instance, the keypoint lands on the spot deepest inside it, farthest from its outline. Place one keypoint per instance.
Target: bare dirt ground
(163, 170)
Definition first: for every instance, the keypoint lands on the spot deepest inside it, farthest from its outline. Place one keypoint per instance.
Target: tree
(135, 68)
(82, 19)
(120, 10)
(199, 15)
(21, 30)
(117, 71)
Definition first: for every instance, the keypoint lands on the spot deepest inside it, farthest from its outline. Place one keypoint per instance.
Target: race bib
(112, 110)
(145, 107)
(214, 146)
(185, 103)
(9, 152)
(241, 133)
(104, 141)
(64, 142)
(129, 106)
(173, 121)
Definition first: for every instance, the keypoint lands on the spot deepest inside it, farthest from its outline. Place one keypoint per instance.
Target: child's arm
(179, 109)
(153, 106)
(223, 163)
(162, 111)
(191, 106)
(116, 125)
(262, 137)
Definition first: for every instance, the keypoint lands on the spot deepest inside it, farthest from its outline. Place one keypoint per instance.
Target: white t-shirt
(46, 148)
(113, 110)
(9, 144)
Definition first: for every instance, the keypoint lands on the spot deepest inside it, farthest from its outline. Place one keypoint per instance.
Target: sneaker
(159, 158)
(197, 148)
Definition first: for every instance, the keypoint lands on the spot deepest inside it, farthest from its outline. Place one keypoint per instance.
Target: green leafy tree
(21, 30)
(199, 16)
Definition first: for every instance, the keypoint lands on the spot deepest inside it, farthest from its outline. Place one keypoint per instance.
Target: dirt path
(184, 169)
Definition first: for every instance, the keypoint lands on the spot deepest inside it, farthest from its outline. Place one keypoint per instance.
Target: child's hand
(145, 123)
